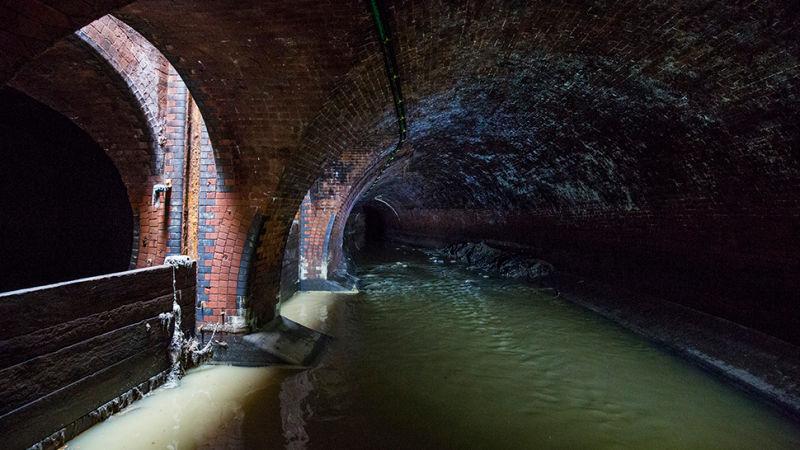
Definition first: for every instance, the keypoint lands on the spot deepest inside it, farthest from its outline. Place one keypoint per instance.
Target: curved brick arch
(93, 88)
(143, 68)
(544, 109)
(273, 80)
(116, 86)
(325, 209)
(621, 141)
(74, 80)
(30, 27)
(261, 73)
(166, 105)
(179, 129)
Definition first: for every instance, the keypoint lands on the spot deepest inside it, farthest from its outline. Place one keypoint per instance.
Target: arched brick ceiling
(283, 88)
(676, 119)
(642, 108)
(649, 139)
(639, 106)
(143, 68)
(617, 105)
(262, 73)
(28, 27)
(73, 79)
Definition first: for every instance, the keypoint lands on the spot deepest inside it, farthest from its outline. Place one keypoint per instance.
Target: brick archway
(578, 113)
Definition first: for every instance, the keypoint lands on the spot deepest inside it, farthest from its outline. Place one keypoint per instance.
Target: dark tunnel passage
(365, 231)
(66, 213)
(646, 191)
(367, 225)
(400, 224)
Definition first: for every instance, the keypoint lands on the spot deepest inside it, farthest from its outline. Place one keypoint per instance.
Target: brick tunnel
(649, 152)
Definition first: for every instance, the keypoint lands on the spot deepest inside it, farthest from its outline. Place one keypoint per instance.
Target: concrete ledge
(322, 285)
(283, 342)
(298, 336)
(758, 363)
(321, 311)
(291, 342)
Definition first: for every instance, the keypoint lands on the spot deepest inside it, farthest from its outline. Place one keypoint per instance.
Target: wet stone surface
(485, 258)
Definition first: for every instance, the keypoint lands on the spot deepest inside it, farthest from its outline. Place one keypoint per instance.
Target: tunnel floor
(433, 356)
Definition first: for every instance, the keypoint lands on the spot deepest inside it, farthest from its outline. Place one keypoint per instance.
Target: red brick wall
(272, 88)
(114, 84)
(324, 211)
(111, 82)
(164, 98)
(668, 124)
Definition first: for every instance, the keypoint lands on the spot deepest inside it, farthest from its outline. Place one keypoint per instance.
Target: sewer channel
(433, 356)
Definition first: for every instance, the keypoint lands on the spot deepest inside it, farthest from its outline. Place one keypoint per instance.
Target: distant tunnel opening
(65, 210)
(366, 228)
(376, 222)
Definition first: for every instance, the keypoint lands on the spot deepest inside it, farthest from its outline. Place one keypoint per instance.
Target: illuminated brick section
(134, 104)
(176, 138)
(223, 231)
(160, 226)
(161, 97)
(130, 100)
(657, 139)
(316, 215)
(143, 68)
(274, 102)
(324, 211)
(91, 97)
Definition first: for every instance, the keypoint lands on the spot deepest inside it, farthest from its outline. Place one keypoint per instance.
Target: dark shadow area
(365, 231)
(374, 224)
(66, 212)
(290, 276)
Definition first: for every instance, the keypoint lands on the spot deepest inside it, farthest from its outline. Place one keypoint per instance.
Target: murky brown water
(435, 357)
(213, 407)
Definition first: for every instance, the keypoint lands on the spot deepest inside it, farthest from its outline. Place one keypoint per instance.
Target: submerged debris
(482, 257)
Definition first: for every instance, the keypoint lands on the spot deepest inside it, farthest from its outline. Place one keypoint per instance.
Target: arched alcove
(66, 213)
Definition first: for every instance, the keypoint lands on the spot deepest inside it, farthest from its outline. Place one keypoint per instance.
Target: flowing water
(433, 356)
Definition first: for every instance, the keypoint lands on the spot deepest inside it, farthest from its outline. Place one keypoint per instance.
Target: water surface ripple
(438, 357)
(433, 356)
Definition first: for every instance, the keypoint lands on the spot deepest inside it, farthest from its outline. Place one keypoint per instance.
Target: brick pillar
(223, 244)
(316, 220)
(177, 100)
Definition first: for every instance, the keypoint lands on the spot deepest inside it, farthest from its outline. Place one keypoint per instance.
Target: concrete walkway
(758, 363)
(307, 322)
(322, 311)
